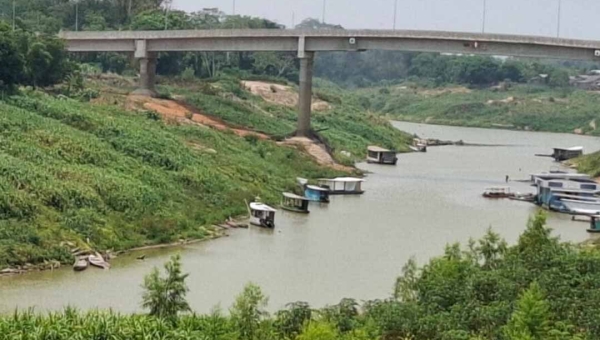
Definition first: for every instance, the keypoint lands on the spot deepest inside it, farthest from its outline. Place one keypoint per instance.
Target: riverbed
(353, 247)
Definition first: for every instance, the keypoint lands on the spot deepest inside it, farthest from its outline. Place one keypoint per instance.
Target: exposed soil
(183, 113)
(317, 151)
(280, 94)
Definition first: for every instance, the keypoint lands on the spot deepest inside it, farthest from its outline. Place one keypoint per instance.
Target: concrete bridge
(146, 44)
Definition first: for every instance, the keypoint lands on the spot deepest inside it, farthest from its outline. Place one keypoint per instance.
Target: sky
(580, 19)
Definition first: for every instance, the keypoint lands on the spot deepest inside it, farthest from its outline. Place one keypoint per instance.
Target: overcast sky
(579, 18)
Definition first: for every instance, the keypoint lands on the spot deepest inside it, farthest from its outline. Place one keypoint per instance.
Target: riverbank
(518, 107)
(116, 174)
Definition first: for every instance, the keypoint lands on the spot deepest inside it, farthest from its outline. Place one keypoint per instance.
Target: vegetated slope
(74, 172)
(530, 107)
(346, 126)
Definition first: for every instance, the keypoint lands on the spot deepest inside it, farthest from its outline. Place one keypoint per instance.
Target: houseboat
(316, 193)
(294, 203)
(556, 175)
(262, 215)
(343, 185)
(562, 195)
(378, 155)
(561, 154)
(497, 192)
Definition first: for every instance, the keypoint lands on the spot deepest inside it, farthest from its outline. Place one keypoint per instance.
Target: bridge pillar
(305, 93)
(147, 61)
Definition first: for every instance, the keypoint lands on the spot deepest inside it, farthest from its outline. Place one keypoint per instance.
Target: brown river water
(354, 247)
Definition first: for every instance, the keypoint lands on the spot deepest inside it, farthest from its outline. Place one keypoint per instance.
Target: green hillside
(74, 172)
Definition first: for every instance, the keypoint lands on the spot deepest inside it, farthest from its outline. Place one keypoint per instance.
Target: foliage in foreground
(100, 177)
(538, 289)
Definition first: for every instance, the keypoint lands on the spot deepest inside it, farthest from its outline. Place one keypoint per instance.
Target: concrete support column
(147, 82)
(147, 62)
(305, 94)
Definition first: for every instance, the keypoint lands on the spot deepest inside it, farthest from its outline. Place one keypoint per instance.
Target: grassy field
(82, 173)
(526, 107)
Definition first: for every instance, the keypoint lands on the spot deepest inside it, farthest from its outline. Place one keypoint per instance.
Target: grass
(527, 107)
(347, 126)
(77, 172)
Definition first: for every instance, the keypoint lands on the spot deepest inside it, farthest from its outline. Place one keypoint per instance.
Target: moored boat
(343, 185)
(262, 215)
(497, 192)
(294, 203)
(80, 264)
(316, 193)
(98, 261)
(563, 154)
(379, 155)
(418, 145)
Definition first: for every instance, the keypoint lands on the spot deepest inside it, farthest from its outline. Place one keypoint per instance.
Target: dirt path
(181, 112)
(317, 151)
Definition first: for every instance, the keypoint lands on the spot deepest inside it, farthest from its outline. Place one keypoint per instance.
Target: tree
(319, 331)
(531, 318)
(165, 296)
(248, 312)
(289, 322)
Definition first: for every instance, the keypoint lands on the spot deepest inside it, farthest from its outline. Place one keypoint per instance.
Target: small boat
(262, 215)
(80, 264)
(419, 145)
(316, 193)
(294, 203)
(98, 261)
(378, 155)
(497, 192)
(343, 185)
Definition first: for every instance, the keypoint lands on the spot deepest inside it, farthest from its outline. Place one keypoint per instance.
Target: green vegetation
(527, 107)
(72, 171)
(345, 126)
(538, 289)
(165, 296)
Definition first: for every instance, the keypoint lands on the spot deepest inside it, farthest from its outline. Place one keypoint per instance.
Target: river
(353, 247)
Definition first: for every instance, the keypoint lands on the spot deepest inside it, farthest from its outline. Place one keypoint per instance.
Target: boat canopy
(498, 189)
(343, 180)
(574, 148)
(261, 207)
(316, 188)
(294, 196)
(373, 148)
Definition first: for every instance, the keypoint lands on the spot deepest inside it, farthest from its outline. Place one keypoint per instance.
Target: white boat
(343, 185)
(262, 215)
(379, 155)
(98, 261)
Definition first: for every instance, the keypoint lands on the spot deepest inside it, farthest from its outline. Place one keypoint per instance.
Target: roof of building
(378, 149)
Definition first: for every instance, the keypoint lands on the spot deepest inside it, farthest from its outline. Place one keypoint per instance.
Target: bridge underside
(146, 44)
